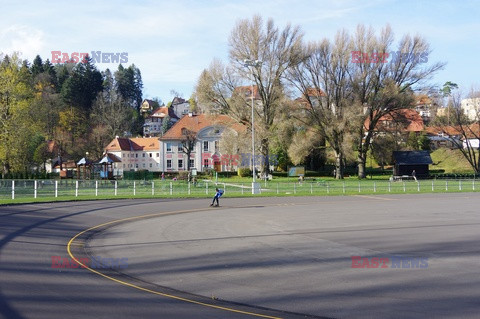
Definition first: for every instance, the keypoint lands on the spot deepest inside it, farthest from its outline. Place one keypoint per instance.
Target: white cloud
(21, 38)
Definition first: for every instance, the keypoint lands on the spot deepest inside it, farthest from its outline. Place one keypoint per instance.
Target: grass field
(90, 190)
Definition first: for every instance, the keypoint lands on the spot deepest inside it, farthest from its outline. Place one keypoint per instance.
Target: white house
(206, 151)
(180, 106)
(471, 108)
(135, 154)
(154, 122)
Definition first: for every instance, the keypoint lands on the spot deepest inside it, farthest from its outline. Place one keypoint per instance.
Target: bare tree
(189, 139)
(383, 88)
(113, 114)
(468, 130)
(355, 84)
(278, 50)
(323, 79)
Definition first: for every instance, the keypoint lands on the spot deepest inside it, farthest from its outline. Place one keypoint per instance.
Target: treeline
(63, 110)
(315, 96)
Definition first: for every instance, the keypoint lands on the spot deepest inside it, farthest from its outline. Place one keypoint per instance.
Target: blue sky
(173, 41)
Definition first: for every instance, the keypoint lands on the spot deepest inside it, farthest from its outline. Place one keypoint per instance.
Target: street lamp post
(256, 64)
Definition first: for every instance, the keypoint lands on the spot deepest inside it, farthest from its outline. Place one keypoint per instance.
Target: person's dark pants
(215, 199)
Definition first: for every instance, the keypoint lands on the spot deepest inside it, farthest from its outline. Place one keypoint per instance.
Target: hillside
(452, 161)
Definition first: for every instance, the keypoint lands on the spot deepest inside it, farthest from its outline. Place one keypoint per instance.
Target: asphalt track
(249, 258)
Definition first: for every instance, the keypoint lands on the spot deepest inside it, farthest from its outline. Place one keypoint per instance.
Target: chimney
(190, 114)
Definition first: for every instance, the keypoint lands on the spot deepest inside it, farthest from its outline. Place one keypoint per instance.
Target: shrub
(244, 172)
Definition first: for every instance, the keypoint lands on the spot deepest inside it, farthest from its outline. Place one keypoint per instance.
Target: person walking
(218, 194)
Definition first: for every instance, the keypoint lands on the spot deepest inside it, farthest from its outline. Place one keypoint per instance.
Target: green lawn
(451, 161)
(25, 193)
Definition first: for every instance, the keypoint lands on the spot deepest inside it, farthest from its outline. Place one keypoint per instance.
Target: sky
(171, 42)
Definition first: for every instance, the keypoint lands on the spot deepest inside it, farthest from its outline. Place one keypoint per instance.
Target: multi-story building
(180, 106)
(205, 154)
(135, 154)
(154, 122)
(471, 108)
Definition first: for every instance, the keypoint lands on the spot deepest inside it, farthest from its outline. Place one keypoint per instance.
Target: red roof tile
(197, 122)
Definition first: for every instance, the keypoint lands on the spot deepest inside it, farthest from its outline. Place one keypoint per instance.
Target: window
(123, 165)
(180, 164)
(180, 147)
(205, 146)
(216, 146)
(169, 164)
(216, 131)
(143, 165)
(192, 162)
(158, 154)
(136, 165)
(150, 165)
(150, 154)
(143, 154)
(205, 163)
(136, 155)
(169, 147)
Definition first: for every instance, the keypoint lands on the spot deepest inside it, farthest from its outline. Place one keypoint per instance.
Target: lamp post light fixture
(253, 64)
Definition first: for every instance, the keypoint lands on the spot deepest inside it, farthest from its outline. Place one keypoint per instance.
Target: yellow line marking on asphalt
(71, 242)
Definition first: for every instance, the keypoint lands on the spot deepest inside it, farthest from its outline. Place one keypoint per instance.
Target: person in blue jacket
(218, 194)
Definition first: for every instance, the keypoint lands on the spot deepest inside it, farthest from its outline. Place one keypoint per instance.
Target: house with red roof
(134, 154)
(205, 155)
(154, 122)
(400, 121)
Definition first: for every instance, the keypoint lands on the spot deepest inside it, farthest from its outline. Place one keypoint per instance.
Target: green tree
(15, 123)
(166, 124)
(83, 85)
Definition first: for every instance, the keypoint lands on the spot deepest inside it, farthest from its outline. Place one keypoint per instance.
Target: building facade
(135, 154)
(205, 151)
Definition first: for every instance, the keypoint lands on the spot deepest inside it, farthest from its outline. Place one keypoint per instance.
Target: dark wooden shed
(408, 161)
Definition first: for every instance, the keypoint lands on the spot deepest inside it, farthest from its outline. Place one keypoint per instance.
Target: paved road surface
(250, 258)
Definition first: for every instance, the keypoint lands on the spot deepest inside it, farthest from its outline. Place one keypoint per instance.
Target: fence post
(328, 188)
(13, 189)
(343, 187)
(189, 192)
(359, 188)
(56, 189)
(446, 185)
(225, 187)
(96, 188)
(35, 189)
(76, 188)
(277, 188)
(374, 187)
(404, 190)
(171, 188)
(153, 188)
(311, 188)
(116, 188)
(389, 186)
(433, 187)
(206, 188)
(242, 188)
(460, 185)
(294, 189)
(134, 188)
(473, 184)
(418, 186)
